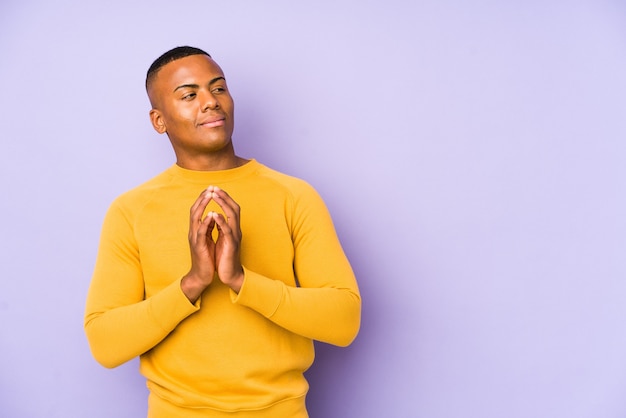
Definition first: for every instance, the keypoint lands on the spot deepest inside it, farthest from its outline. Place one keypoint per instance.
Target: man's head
(191, 103)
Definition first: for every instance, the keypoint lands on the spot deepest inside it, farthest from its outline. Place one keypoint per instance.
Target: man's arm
(119, 323)
(327, 304)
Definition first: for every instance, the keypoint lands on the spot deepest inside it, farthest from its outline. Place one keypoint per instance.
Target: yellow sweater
(228, 352)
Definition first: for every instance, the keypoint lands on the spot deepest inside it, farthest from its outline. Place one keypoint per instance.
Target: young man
(221, 301)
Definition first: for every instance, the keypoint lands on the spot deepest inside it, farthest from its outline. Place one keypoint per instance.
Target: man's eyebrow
(195, 86)
(218, 78)
(186, 86)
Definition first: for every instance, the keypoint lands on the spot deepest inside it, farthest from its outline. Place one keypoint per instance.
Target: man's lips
(212, 123)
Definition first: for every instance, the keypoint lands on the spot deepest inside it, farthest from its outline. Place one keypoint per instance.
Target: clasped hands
(208, 257)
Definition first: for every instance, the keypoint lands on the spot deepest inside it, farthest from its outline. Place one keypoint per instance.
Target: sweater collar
(219, 176)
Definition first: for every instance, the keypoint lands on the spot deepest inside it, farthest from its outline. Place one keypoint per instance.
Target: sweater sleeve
(119, 322)
(326, 306)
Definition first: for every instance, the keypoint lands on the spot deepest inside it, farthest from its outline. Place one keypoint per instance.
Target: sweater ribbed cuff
(170, 306)
(260, 293)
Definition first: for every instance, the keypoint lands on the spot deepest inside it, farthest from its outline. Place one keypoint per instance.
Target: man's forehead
(198, 68)
(191, 70)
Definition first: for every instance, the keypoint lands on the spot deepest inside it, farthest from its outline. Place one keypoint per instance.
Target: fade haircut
(171, 55)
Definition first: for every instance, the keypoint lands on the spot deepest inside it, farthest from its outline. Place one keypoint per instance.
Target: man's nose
(209, 102)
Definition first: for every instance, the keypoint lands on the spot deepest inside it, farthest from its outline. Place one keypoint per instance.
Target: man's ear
(157, 121)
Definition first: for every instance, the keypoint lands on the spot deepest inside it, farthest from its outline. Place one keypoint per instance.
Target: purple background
(473, 155)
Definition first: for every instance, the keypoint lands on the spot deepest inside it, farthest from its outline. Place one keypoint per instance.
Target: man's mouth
(212, 123)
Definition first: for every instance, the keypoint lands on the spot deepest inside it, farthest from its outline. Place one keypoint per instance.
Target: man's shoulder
(297, 190)
(143, 192)
(280, 179)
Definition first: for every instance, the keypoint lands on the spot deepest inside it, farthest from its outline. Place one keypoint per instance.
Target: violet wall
(472, 153)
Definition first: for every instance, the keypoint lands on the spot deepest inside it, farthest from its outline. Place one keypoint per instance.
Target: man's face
(191, 103)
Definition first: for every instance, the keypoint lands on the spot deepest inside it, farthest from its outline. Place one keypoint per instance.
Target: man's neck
(210, 161)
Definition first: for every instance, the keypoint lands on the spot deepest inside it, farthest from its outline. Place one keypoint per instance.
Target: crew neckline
(197, 176)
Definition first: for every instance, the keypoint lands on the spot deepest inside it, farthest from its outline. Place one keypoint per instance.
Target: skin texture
(192, 105)
(209, 257)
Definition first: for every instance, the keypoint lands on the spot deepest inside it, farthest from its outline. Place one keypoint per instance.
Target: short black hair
(172, 55)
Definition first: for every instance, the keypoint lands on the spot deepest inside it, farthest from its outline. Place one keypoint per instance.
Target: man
(221, 301)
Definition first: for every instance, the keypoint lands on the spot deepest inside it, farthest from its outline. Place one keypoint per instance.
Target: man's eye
(219, 90)
(189, 96)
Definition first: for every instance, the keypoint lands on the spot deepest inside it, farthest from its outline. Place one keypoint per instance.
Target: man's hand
(202, 249)
(228, 245)
(207, 256)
